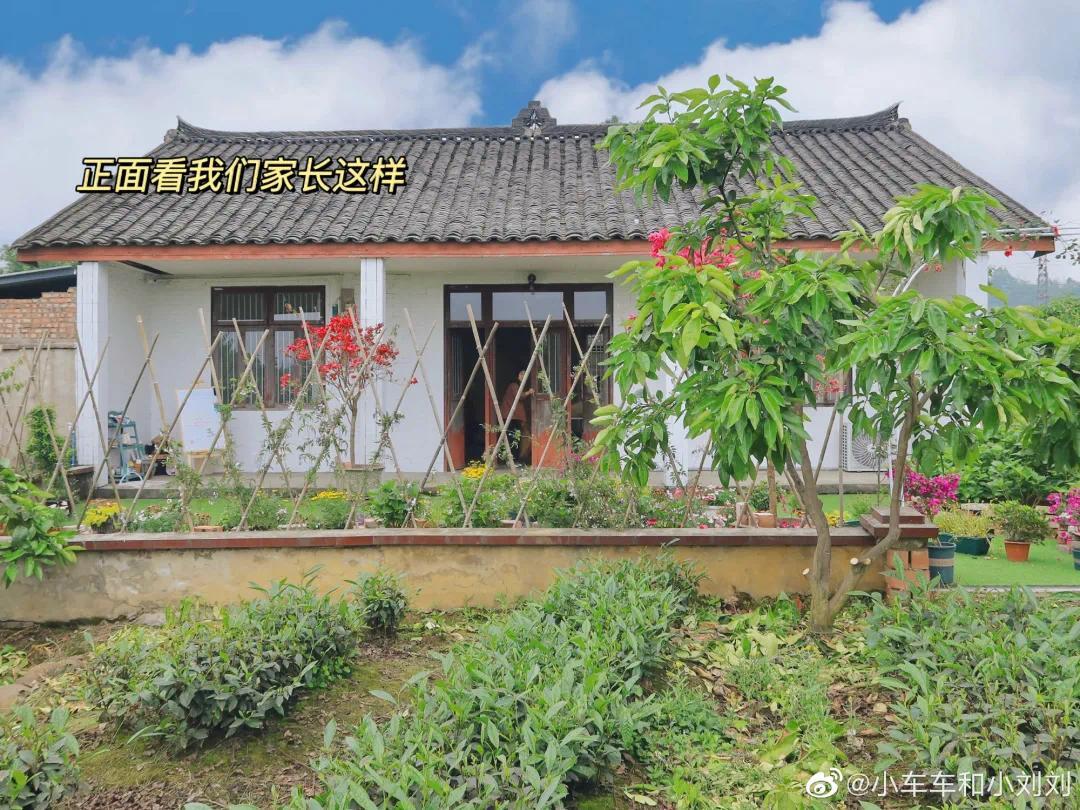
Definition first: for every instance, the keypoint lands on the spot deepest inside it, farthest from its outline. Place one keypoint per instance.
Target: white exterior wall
(111, 297)
(417, 436)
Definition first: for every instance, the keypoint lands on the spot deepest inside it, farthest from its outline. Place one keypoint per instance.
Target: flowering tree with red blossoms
(735, 331)
(352, 357)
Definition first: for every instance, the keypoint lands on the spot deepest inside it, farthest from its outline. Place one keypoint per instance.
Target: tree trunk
(770, 473)
(352, 433)
(821, 566)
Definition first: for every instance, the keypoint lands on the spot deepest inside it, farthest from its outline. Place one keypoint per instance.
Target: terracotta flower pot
(765, 520)
(1017, 550)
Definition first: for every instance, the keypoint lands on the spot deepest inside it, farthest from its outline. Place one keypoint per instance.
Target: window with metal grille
(240, 316)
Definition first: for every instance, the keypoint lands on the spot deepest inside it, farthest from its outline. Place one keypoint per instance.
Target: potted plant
(1020, 526)
(758, 499)
(966, 529)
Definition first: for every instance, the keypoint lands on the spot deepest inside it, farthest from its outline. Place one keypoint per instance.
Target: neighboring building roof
(533, 180)
(32, 283)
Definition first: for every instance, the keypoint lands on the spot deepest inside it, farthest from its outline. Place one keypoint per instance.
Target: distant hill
(1023, 292)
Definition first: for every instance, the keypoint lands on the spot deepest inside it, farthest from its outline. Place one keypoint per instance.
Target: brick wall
(52, 313)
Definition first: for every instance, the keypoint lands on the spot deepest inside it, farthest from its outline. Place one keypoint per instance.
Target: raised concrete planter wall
(122, 575)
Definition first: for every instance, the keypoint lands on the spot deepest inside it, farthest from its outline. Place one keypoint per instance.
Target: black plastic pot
(942, 557)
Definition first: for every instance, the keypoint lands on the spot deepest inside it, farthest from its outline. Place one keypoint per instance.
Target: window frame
(271, 375)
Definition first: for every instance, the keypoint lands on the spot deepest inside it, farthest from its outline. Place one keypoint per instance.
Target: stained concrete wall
(111, 584)
(56, 368)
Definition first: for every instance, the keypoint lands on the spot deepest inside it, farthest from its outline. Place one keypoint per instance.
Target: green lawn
(1047, 565)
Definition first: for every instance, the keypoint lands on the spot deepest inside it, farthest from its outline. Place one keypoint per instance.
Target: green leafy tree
(10, 262)
(734, 331)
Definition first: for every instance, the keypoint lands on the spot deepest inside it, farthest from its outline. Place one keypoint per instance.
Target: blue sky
(620, 36)
(995, 83)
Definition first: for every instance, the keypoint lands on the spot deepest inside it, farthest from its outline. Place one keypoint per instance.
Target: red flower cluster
(698, 257)
(345, 352)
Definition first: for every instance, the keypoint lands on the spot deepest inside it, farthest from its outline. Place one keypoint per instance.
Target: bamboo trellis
(388, 395)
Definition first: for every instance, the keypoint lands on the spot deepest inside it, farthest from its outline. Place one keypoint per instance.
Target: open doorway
(513, 347)
(465, 437)
(544, 427)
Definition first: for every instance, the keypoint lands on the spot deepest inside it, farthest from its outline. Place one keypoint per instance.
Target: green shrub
(961, 523)
(38, 537)
(497, 501)
(1003, 469)
(587, 501)
(265, 514)
(166, 518)
(41, 427)
(547, 696)
(37, 759)
(1067, 307)
(758, 497)
(390, 502)
(1020, 522)
(208, 673)
(984, 683)
(383, 601)
(858, 506)
(328, 513)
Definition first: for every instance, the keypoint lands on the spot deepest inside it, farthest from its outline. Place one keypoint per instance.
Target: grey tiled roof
(534, 180)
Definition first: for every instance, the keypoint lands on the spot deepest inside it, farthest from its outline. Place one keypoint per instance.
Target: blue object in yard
(1076, 552)
(942, 557)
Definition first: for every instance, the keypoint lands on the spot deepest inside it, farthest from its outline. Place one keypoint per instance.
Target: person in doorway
(517, 430)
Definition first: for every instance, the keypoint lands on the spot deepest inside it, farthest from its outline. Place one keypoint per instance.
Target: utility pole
(1042, 283)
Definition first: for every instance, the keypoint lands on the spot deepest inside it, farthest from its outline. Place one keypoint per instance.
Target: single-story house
(490, 217)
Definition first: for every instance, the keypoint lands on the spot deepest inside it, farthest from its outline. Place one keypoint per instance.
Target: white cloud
(540, 28)
(995, 83)
(81, 105)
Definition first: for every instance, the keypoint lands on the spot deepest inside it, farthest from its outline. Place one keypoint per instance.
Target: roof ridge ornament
(533, 118)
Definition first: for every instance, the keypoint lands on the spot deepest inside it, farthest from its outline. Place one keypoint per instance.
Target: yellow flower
(833, 517)
(329, 495)
(474, 470)
(101, 513)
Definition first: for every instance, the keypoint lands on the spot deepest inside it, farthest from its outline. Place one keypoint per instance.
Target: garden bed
(746, 706)
(245, 768)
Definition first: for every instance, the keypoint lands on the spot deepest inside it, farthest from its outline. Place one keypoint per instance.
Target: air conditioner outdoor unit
(861, 453)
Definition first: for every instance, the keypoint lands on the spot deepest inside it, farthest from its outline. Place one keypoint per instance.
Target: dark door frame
(484, 321)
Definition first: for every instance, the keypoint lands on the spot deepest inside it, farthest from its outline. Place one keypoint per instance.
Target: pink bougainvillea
(1065, 507)
(929, 494)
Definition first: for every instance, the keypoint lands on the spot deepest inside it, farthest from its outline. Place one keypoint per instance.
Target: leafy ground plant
(548, 697)
(208, 673)
(38, 538)
(37, 759)
(985, 683)
(383, 602)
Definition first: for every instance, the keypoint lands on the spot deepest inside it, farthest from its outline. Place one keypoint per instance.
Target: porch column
(91, 322)
(370, 311)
